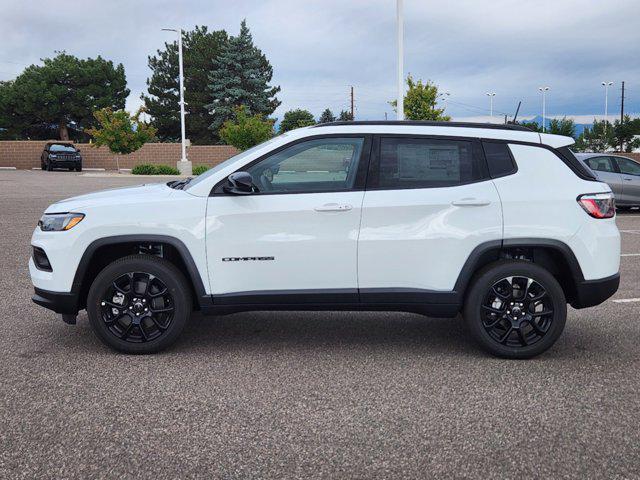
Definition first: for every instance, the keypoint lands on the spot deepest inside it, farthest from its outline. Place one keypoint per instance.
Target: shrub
(166, 170)
(148, 169)
(199, 169)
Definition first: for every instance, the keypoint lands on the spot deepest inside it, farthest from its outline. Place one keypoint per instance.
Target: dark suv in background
(61, 155)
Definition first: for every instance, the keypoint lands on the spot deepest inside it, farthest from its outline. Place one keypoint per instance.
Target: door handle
(333, 207)
(471, 202)
(627, 179)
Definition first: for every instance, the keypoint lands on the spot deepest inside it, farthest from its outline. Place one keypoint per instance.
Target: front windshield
(228, 162)
(58, 147)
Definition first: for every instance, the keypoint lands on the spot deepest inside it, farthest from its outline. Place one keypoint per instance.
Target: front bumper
(593, 292)
(60, 302)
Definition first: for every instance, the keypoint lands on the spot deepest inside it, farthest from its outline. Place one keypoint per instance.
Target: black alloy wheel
(137, 307)
(139, 304)
(515, 309)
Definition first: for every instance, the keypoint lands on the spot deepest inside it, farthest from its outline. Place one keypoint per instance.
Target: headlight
(52, 155)
(56, 222)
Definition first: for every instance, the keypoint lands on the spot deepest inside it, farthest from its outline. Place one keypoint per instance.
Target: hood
(115, 196)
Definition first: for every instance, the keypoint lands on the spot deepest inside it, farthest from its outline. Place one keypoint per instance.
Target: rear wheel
(139, 304)
(515, 309)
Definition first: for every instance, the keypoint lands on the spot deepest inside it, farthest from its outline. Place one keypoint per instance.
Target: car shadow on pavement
(327, 330)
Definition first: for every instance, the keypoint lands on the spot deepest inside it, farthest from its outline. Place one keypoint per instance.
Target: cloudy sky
(319, 48)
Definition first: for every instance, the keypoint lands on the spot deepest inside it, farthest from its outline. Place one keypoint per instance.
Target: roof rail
(425, 123)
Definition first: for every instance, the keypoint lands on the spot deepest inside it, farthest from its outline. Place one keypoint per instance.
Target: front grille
(41, 260)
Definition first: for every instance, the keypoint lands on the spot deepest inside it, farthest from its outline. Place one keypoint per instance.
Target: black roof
(424, 123)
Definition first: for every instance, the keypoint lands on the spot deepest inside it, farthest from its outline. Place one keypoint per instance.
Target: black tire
(49, 167)
(79, 168)
(490, 313)
(71, 169)
(131, 330)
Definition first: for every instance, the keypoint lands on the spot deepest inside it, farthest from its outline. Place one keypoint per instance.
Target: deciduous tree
(420, 102)
(245, 131)
(296, 119)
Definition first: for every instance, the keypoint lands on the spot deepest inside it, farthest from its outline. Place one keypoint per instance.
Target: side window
(320, 165)
(601, 164)
(426, 162)
(627, 166)
(499, 159)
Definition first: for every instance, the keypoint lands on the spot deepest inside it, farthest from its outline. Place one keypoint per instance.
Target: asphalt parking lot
(300, 395)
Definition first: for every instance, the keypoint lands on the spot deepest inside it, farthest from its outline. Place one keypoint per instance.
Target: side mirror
(240, 183)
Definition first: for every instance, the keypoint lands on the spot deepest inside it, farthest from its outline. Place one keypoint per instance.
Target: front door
(295, 239)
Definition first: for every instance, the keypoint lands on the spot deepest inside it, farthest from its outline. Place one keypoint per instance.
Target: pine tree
(345, 116)
(199, 46)
(241, 76)
(327, 116)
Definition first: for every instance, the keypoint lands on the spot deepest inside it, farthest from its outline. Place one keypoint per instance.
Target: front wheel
(515, 309)
(139, 304)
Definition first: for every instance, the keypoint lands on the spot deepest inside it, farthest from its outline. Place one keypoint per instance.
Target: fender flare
(192, 269)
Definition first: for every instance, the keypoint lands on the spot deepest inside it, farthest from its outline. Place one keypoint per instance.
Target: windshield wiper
(179, 184)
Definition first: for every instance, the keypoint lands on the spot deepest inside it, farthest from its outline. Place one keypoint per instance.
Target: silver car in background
(621, 173)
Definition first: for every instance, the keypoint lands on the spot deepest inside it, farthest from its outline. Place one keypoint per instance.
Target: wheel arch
(554, 255)
(105, 250)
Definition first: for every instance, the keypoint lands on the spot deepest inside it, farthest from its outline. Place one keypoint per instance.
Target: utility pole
(622, 115)
(352, 109)
(400, 21)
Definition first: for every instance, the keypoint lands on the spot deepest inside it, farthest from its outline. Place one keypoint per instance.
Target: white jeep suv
(494, 221)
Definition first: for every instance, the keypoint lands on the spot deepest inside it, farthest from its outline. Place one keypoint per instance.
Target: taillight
(598, 205)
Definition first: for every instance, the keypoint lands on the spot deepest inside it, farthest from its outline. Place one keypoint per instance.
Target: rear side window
(426, 162)
(499, 159)
(601, 164)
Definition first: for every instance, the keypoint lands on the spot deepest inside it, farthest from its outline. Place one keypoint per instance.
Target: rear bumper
(593, 292)
(59, 302)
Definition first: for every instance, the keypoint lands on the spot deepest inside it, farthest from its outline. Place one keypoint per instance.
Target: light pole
(544, 91)
(606, 86)
(491, 95)
(400, 25)
(184, 165)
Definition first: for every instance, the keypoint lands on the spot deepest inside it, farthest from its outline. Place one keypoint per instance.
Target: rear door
(605, 170)
(429, 202)
(630, 172)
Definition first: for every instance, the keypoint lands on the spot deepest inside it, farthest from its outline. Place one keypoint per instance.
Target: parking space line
(627, 300)
(636, 232)
(630, 254)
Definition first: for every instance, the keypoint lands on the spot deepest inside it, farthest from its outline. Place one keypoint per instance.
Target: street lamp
(606, 86)
(544, 91)
(491, 95)
(400, 28)
(184, 165)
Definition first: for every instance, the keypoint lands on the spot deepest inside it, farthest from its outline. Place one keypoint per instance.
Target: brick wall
(634, 156)
(26, 155)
